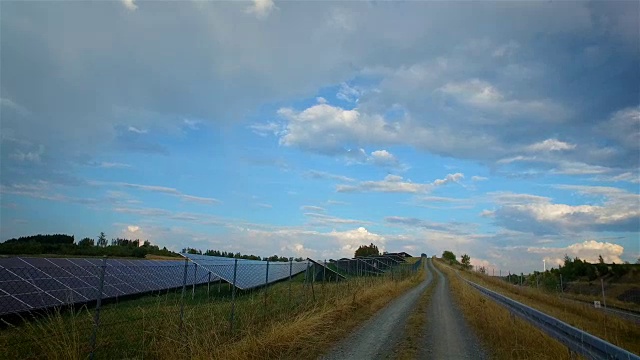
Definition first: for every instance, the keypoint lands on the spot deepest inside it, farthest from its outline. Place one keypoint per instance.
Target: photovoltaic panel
(37, 283)
(249, 273)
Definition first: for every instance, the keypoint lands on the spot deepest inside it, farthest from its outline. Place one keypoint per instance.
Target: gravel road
(447, 335)
(377, 337)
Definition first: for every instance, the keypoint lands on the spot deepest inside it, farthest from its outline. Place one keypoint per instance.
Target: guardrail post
(96, 315)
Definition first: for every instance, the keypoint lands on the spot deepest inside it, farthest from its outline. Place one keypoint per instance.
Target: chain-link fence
(113, 308)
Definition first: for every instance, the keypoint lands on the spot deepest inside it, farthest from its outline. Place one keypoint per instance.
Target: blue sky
(509, 130)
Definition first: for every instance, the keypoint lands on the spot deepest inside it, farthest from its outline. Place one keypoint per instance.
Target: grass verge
(613, 329)
(275, 322)
(505, 335)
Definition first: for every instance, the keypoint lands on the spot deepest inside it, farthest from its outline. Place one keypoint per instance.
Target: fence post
(561, 288)
(208, 284)
(266, 286)
(324, 272)
(195, 279)
(233, 295)
(604, 300)
(184, 290)
(96, 315)
(290, 272)
(313, 279)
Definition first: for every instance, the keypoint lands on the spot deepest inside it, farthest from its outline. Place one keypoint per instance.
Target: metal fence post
(266, 286)
(290, 272)
(233, 295)
(96, 315)
(208, 284)
(184, 290)
(195, 279)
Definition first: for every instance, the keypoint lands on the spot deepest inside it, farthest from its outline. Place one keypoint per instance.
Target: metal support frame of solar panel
(28, 284)
(322, 272)
(249, 273)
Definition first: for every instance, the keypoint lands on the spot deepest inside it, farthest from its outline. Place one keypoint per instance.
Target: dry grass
(271, 325)
(506, 336)
(620, 332)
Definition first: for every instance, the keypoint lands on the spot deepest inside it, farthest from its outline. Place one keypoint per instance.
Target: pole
(290, 271)
(266, 287)
(604, 300)
(233, 295)
(195, 279)
(561, 288)
(96, 316)
(208, 284)
(324, 272)
(184, 290)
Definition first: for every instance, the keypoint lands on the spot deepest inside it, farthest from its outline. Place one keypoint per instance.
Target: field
(286, 320)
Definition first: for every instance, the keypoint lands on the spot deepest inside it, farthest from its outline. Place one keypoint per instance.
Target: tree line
(272, 258)
(62, 244)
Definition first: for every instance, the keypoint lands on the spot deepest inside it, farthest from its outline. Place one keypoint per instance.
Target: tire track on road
(377, 337)
(447, 335)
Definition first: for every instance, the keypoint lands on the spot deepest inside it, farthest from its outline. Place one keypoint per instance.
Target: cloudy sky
(509, 130)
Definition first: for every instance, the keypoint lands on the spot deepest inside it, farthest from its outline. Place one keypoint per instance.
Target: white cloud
(550, 145)
(384, 158)
(113, 165)
(348, 93)
(199, 199)
(261, 8)
(619, 211)
(312, 208)
(133, 228)
(449, 179)
(11, 105)
(321, 100)
(314, 174)
(588, 250)
(137, 131)
(327, 220)
(483, 95)
(28, 156)
(129, 4)
(396, 184)
(479, 178)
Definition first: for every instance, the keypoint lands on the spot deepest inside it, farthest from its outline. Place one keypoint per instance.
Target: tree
(86, 242)
(466, 261)
(600, 259)
(448, 255)
(102, 240)
(367, 250)
(483, 270)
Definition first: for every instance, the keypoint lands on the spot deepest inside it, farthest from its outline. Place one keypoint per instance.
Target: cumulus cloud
(261, 8)
(397, 184)
(384, 158)
(539, 215)
(129, 4)
(314, 174)
(551, 145)
(588, 250)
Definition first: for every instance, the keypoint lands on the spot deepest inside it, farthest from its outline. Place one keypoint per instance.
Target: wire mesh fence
(112, 308)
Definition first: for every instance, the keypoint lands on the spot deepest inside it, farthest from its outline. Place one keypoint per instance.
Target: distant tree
(466, 261)
(600, 259)
(86, 242)
(450, 256)
(638, 261)
(367, 250)
(482, 270)
(102, 240)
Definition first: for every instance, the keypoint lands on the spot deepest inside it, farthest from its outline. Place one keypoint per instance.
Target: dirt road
(447, 335)
(377, 337)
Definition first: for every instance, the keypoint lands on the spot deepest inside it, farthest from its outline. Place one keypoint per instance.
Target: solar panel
(37, 283)
(249, 273)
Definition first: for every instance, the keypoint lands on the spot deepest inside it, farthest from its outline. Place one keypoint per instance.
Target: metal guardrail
(577, 340)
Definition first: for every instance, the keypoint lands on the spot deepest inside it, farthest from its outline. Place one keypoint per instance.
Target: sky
(509, 131)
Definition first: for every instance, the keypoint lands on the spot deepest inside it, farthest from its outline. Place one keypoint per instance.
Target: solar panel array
(35, 283)
(249, 273)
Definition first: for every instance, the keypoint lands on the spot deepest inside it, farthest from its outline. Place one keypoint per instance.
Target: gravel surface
(377, 337)
(447, 335)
